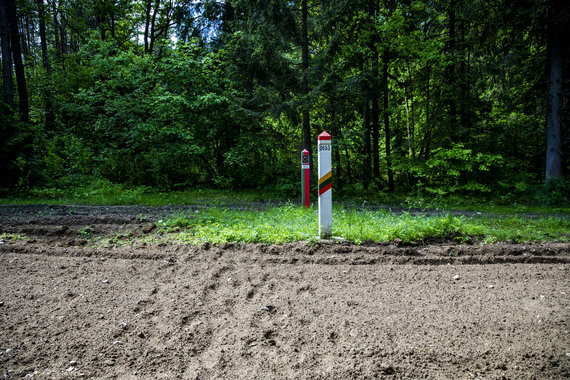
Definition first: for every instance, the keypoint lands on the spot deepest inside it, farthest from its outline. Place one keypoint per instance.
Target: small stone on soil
(456, 277)
(148, 229)
(491, 286)
(105, 281)
(117, 343)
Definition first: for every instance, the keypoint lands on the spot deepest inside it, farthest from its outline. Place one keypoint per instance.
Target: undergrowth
(291, 223)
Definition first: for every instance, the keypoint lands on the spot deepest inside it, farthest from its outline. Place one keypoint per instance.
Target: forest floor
(126, 308)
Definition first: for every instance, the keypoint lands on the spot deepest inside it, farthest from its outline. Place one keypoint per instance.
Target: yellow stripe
(325, 177)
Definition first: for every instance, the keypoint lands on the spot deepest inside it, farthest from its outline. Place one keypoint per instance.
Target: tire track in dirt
(307, 253)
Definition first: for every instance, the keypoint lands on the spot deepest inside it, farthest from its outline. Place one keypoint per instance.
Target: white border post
(325, 186)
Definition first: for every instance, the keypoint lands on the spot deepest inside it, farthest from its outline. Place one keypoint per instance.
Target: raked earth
(128, 309)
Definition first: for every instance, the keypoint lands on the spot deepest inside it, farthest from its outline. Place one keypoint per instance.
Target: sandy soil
(295, 311)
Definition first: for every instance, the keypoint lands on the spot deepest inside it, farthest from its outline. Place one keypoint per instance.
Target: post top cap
(305, 152)
(324, 136)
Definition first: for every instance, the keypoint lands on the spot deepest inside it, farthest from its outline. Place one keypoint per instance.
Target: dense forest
(435, 96)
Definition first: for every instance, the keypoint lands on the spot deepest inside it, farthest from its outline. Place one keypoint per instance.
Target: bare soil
(71, 309)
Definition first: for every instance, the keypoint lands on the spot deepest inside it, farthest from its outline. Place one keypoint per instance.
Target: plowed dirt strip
(71, 307)
(252, 312)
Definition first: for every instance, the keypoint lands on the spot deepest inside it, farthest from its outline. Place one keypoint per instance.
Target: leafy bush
(555, 191)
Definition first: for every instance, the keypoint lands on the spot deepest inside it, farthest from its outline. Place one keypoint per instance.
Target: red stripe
(307, 190)
(325, 189)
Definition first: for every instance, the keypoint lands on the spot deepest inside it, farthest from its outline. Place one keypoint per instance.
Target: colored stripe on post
(325, 183)
(326, 188)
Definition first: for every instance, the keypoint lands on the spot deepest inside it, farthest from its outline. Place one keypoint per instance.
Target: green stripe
(324, 183)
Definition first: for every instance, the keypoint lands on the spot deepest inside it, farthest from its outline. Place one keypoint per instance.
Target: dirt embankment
(69, 309)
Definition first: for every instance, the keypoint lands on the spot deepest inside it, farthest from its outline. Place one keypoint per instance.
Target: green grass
(221, 224)
(104, 193)
(290, 223)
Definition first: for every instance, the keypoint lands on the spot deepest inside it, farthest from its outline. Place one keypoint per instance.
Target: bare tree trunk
(553, 138)
(45, 61)
(24, 43)
(335, 130)
(228, 17)
(153, 26)
(147, 24)
(18, 64)
(450, 72)
(166, 26)
(367, 147)
(8, 84)
(304, 79)
(58, 55)
(374, 97)
(427, 135)
(386, 59)
(63, 35)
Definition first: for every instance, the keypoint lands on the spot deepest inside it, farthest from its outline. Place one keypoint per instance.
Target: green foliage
(213, 97)
(17, 161)
(556, 191)
(67, 161)
(458, 168)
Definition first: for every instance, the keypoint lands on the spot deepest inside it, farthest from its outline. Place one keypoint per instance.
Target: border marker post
(305, 178)
(325, 186)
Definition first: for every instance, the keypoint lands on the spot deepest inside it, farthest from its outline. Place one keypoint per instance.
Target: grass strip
(290, 223)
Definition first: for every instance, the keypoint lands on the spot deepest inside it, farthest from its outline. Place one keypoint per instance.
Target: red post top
(324, 136)
(305, 152)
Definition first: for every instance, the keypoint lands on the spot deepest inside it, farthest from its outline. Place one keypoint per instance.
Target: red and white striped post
(305, 181)
(325, 186)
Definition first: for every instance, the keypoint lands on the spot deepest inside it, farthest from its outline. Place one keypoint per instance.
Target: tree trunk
(304, 77)
(375, 112)
(153, 27)
(147, 24)
(386, 59)
(553, 138)
(25, 44)
(335, 131)
(63, 35)
(367, 147)
(6, 56)
(45, 61)
(18, 64)
(228, 17)
(427, 136)
(450, 74)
